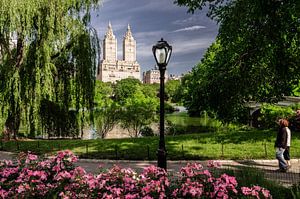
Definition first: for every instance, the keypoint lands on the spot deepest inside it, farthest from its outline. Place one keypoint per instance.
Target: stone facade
(110, 68)
(153, 76)
(175, 77)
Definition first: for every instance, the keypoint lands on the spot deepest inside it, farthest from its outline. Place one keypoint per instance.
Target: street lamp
(162, 52)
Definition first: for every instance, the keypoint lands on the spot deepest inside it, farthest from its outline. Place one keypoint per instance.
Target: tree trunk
(32, 124)
(12, 125)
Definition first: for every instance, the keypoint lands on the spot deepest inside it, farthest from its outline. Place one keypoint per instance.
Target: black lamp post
(162, 52)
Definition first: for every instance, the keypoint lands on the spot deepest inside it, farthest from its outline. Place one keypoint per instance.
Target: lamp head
(162, 52)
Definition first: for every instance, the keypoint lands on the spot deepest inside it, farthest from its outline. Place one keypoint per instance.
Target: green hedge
(271, 113)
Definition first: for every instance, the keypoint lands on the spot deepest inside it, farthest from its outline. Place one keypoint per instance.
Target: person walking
(281, 144)
(286, 153)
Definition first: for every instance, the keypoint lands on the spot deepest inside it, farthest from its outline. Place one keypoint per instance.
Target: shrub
(271, 113)
(57, 177)
(147, 131)
(169, 108)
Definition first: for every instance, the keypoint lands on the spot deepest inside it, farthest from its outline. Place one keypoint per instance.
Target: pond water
(182, 123)
(179, 118)
(183, 119)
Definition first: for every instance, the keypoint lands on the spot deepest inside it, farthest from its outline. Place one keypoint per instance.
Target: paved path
(6, 155)
(267, 166)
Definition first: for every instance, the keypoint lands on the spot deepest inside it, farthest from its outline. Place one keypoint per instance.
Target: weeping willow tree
(48, 51)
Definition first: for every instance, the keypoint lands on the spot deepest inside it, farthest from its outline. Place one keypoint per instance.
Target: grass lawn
(250, 144)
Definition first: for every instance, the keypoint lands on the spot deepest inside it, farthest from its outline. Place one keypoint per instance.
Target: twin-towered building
(110, 68)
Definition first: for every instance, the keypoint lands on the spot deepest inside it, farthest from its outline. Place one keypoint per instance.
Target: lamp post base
(162, 158)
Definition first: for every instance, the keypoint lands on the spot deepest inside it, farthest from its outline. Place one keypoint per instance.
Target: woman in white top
(286, 153)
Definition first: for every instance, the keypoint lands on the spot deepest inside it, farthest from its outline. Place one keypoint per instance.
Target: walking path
(269, 167)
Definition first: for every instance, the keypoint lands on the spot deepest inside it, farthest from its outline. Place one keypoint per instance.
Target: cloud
(148, 34)
(154, 6)
(188, 46)
(190, 20)
(191, 28)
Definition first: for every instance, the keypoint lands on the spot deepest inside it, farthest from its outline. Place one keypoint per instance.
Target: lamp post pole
(162, 52)
(162, 152)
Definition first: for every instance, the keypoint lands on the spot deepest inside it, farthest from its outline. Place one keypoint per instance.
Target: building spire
(109, 33)
(128, 34)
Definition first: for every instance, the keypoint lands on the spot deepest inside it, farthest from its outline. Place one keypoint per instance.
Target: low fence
(142, 151)
(148, 152)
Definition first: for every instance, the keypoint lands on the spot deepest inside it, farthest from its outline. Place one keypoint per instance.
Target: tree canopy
(172, 87)
(125, 88)
(256, 56)
(138, 111)
(48, 50)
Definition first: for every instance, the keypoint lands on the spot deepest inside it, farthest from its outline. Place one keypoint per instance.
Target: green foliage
(58, 122)
(106, 110)
(150, 90)
(206, 90)
(103, 93)
(54, 58)
(171, 90)
(296, 90)
(168, 108)
(256, 57)
(295, 191)
(125, 88)
(106, 117)
(270, 114)
(138, 111)
(146, 131)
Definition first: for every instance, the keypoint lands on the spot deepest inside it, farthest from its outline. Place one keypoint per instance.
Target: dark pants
(286, 153)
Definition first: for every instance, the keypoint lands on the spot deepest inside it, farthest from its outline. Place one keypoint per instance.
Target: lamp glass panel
(160, 55)
(169, 51)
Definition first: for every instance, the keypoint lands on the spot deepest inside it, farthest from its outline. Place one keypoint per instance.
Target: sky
(150, 20)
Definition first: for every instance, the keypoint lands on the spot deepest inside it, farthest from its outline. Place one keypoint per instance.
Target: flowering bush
(57, 177)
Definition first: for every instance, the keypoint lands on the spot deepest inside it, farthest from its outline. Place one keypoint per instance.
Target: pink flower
(3, 193)
(45, 164)
(194, 191)
(207, 173)
(254, 193)
(79, 171)
(246, 191)
(213, 164)
(38, 179)
(256, 188)
(32, 157)
(266, 193)
(20, 189)
(8, 162)
(56, 168)
(9, 171)
(131, 196)
(62, 175)
(147, 197)
(92, 182)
